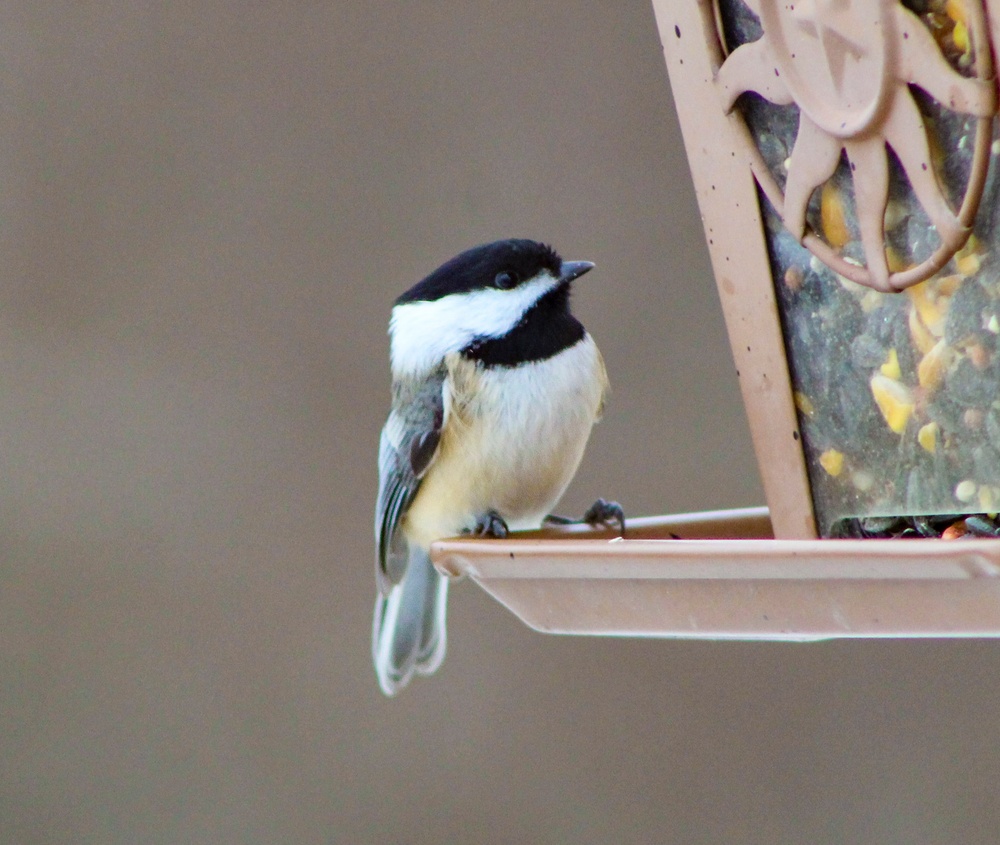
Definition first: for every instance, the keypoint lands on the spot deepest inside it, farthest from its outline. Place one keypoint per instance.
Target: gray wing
(407, 448)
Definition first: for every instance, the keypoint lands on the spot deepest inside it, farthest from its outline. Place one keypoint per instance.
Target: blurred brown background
(207, 209)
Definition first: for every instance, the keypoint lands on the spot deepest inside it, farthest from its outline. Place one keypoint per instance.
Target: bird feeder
(845, 159)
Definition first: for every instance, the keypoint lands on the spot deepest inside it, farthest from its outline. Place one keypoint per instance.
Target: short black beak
(570, 270)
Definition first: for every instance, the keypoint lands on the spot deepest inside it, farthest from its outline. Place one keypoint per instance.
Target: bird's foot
(490, 524)
(605, 514)
(601, 514)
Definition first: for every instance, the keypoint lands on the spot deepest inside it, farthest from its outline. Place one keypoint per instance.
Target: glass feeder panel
(898, 393)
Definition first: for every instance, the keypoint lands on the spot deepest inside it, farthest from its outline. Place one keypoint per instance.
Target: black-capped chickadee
(495, 387)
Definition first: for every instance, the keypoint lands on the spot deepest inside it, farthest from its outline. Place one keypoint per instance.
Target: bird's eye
(505, 280)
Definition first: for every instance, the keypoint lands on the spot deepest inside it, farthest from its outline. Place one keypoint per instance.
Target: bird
(495, 389)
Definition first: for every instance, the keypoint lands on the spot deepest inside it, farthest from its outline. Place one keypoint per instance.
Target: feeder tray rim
(725, 577)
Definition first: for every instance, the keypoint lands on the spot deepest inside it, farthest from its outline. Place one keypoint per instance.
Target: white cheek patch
(424, 332)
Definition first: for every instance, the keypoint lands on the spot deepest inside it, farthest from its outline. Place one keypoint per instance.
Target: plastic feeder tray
(725, 577)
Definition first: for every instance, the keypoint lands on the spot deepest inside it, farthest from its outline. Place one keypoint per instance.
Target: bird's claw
(601, 514)
(490, 524)
(607, 514)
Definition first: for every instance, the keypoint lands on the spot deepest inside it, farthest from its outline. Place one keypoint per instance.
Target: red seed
(793, 279)
(979, 355)
(973, 418)
(954, 531)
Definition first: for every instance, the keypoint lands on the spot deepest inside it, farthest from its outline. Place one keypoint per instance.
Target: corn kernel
(947, 285)
(927, 437)
(804, 404)
(832, 215)
(894, 400)
(891, 366)
(969, 258)
(960, 35)
(989, 497)
(933, 366)
(930, 307)
(968, 265)
(832, 461)
(923, 340)
(895, 261)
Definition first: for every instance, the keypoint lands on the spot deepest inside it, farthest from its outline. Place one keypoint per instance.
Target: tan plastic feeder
(847, 167)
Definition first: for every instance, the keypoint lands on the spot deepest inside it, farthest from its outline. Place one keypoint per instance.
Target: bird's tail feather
(408, 631)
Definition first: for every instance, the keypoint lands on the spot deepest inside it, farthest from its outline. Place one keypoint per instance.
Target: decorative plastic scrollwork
(847, 65)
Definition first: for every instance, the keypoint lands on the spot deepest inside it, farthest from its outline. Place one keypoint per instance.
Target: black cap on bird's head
(502, 303)
(501, 265)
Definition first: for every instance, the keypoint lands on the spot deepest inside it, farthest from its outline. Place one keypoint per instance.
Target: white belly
(512, 441)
